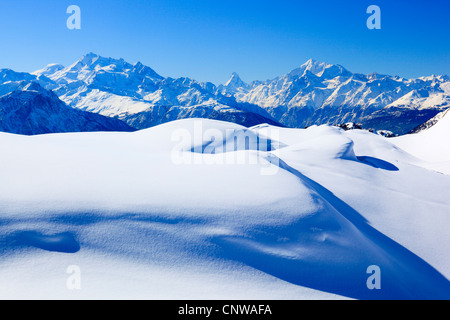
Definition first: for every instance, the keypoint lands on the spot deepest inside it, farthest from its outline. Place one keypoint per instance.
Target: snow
(104, 103)
(417, 101)
(430, 146)
(165, 213)
(326, 85)
(116, 88)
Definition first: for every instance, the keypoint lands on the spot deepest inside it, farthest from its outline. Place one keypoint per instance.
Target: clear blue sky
(208, 39)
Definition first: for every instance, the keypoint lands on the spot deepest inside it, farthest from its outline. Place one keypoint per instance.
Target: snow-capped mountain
(30, 109)
(139, 96)
(234, 85)
(317, 93)
(11, 80)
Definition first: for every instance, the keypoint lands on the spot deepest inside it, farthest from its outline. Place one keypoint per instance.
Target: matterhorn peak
(235, 81)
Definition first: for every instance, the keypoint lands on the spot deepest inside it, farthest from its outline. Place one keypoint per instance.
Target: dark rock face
(398, 120)
(35, 110)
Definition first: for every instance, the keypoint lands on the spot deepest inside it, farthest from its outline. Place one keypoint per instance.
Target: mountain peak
(92, 60)
(49, 69)
(311, 62)
(315, 66)
(90, 55)
(142, 69)
(95, 62)
(235, 81)
(320, 69)
(311, 65)
(33, 86)
(89, 58)
(36, 88)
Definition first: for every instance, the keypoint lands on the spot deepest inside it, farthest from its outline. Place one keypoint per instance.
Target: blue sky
(208, 40)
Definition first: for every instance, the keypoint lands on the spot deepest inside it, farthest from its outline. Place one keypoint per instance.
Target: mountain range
(120, 96)
(318, 93)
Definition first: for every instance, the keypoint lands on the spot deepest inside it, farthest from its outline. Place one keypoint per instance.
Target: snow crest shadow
(377, 163)
(63, 242)
(332, 250)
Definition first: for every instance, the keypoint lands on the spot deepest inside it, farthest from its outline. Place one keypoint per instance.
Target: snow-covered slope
(166, 213)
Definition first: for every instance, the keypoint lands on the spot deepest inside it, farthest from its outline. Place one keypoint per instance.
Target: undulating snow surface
(203, 209)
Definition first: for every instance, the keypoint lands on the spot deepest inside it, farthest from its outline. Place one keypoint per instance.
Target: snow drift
(208, 209)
